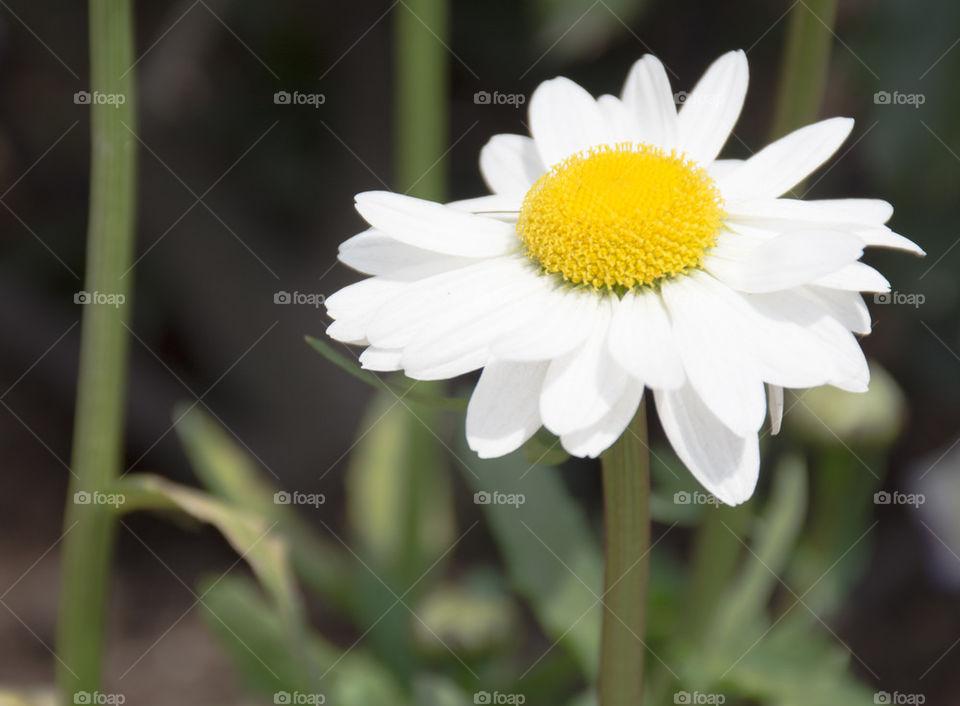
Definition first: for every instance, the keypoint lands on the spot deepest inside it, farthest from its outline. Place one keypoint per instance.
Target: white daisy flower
(617, 254)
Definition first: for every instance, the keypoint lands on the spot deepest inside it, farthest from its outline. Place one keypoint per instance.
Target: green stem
(806, 58)
(420, 100)
(626, 496)
(99, 423)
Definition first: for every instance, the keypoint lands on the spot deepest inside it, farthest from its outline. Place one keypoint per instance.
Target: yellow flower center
(621, 216)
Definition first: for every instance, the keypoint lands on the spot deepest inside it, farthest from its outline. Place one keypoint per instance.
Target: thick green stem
(99, 423)
(803, 73)
(626, 500)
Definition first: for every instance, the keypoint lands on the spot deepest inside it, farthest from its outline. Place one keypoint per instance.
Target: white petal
(510, 164)
(564, 120)
(727, 465)
(775, 408)
(499, 206)
(621, 126)
(395, 324)
(709, 337)
(719, 168)
(885, 238)
(434, 226)
(641, 340)
(381, 359)
(800, 345)
(354, 306)
(582, 386)
(713, 106)
(864, 217)
(782, 165)
(458, 338)
(504, 409)
(647, 95)
(375, 253)
(856, 277)
(863, 212)
(790, 345)
(784, 261)
(563, 320)
(594, 440)
(846, 307)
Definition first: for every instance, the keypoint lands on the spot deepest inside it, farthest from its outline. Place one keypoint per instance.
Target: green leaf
(796, 665)
(228, 472)
(400, 513)
(773, 539)
(349, 365)
(253, 635)
(44, 696)
(472, 617)
(434, 690)
(552, 558)
(251, 536)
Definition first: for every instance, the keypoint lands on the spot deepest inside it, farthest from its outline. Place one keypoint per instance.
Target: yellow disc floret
(621, 216)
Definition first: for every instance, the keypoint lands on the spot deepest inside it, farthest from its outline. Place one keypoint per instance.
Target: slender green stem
(626, 500)
(99, 423)
(806, 58)
(421, 75)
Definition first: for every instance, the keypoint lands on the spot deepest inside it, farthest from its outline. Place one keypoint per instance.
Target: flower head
(615, 254)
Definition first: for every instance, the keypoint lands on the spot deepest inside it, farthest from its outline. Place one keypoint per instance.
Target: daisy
(618, 254)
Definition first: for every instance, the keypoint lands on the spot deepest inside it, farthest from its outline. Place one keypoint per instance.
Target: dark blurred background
(241, 198)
